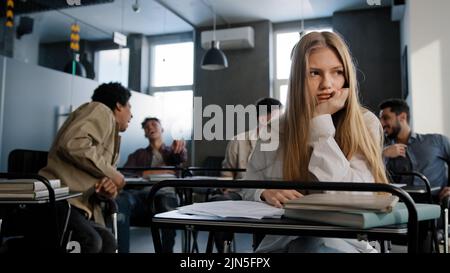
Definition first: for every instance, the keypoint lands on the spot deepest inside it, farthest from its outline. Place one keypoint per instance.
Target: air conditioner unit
(231, 38)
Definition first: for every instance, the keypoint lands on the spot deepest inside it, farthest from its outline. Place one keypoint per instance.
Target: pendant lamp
(214, 58)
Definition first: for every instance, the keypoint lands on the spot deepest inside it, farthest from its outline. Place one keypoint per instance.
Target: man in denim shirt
(428, 154)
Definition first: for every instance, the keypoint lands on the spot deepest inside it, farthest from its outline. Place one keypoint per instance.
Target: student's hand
(395, 150)
(118, 180)
(227, 191)
(278, 197)
(178, 146)
(444, 193)
(106, 188)
(335, 103)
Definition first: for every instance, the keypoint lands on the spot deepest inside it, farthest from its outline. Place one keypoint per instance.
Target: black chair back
(26, 161)
(212, 162)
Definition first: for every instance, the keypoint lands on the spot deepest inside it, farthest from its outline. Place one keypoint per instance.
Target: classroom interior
(155, 48)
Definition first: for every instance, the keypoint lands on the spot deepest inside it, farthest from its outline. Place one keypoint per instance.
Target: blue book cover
(364, 219)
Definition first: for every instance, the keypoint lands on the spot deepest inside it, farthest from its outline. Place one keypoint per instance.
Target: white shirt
(327, 163)
(157, 159)
(238, 153)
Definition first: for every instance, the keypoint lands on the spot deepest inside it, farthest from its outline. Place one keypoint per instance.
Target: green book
(364, 219)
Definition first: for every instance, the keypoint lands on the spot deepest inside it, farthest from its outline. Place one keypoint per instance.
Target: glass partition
(39, 84)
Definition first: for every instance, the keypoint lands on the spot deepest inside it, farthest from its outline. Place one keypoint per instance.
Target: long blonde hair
(352, 134)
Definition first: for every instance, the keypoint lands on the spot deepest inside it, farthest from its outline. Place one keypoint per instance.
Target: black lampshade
(214, 59)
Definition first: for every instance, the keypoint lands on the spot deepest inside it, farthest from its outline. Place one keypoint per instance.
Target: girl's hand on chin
(335, 102)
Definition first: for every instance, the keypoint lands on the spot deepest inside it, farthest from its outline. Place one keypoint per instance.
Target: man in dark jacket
(133, 204)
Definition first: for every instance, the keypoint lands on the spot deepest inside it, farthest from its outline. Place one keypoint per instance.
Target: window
(284, 43)
(171, 82)
(113, 65)
(173, 64)
(283, 93)
(176, 113)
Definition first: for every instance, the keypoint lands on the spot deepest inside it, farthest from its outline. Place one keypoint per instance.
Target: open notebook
(243, 209)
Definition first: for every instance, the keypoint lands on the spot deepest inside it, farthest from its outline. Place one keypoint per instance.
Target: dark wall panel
(247, 79)
(375, 44)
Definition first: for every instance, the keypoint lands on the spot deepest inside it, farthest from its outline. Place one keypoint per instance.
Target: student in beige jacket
(324, 135)
(84, 156)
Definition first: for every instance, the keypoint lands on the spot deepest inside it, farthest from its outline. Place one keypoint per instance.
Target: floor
(141, 241)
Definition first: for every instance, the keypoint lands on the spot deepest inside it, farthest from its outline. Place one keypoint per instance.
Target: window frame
(97, 59)
(173, 39)
(291, 27)
(165, 40)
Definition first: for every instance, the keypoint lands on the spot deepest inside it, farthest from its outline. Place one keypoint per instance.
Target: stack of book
(350, 210)
(29, 189)
(356, 210)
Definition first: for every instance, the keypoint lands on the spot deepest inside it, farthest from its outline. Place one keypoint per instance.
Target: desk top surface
(419, 189)
(150, 180)
(176, 218)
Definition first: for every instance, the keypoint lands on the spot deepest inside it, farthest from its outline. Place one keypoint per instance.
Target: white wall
(30, 97)
(405, 41)
(26, 49)
(425, 31)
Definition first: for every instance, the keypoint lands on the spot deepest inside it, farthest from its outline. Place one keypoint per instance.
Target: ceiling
(28, 6)
(99, 21)
(239, 11)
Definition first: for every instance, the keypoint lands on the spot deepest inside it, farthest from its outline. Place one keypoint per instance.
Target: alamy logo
(73, 247)
(374, 2)
(215, 128)
(73, 2)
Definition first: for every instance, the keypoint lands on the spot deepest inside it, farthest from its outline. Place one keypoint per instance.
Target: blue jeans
(134, 209)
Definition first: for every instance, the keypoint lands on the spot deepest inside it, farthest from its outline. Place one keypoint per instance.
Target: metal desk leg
(187, 231)
(382, 246)
(210, 244)
(114, 228)
(156, 239)
(227, 247)
(66, 224)
(445, 230)
(195, 248)
(184, 238)
(1, 237)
